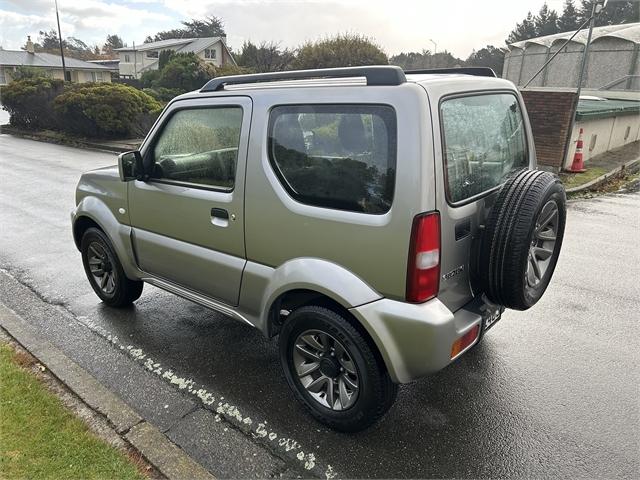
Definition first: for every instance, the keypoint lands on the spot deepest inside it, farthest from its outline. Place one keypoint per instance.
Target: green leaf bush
(106, 110)
(29, 101)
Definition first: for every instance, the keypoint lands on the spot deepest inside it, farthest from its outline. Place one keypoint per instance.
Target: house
(136, 60)
(78, 71)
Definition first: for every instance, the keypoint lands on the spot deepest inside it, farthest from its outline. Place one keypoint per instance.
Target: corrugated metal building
(613, 62)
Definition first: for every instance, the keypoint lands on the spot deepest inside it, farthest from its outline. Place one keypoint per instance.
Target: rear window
(484, 141)
(335, 156)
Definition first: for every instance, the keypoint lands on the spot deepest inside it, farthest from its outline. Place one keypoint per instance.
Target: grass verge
(41, 439)
(571, 180)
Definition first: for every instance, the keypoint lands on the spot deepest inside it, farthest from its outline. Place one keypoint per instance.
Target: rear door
(483, 138)
(187, 218)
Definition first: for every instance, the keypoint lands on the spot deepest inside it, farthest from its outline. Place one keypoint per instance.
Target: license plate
(491, 315)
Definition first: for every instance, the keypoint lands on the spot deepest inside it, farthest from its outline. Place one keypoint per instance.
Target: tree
(489, 56)
(266, 57)
(546, 22)
(615, 13)
(113, 42)
(569, 20)
(185, 71)
(524, 30)
(340, 51)
(211, 26)
(425, 60)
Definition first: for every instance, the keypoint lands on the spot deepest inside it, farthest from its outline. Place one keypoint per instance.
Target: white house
(138, 59)
(78, 71)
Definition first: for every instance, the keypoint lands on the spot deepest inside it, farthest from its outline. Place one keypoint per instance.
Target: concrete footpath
(164, 455)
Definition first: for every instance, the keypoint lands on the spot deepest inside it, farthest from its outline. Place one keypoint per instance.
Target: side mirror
(130, 166)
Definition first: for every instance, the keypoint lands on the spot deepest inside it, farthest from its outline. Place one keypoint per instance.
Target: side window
(336, 156)
(484, 141)
(199, 146)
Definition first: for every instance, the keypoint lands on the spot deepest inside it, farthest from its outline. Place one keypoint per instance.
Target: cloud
(401, 25)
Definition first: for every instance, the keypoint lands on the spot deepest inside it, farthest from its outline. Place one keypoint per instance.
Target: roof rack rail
(375, 75)
(477, 71)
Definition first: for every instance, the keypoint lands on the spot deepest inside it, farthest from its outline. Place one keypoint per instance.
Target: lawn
(41, 439)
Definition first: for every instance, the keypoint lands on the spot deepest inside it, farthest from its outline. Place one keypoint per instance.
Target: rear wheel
(104, 271)
(521, 242)
(333, 370)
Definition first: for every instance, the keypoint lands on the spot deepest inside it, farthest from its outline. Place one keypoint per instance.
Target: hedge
(29, 101)
(104, 110)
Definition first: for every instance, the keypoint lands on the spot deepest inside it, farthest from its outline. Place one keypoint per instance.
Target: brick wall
(550, 113)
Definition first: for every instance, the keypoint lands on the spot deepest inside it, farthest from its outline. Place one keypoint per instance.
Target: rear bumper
(415, 339)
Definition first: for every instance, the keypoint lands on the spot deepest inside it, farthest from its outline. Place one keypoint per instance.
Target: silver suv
(378, 223)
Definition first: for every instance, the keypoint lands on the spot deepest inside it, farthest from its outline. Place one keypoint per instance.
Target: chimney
(29, 45)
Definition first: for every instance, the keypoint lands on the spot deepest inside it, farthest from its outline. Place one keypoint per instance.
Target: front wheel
(333, 370)
(104, 271)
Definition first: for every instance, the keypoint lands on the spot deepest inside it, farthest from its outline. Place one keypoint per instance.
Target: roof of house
(41, 59)
(627, 31)
(185, 45)
(188, 44)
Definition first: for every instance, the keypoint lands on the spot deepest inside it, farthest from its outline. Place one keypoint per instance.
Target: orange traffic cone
(578, 165)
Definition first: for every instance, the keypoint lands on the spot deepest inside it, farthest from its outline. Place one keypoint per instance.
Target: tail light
(423, 267)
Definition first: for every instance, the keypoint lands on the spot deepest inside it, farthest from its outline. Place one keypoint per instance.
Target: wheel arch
(93, 212)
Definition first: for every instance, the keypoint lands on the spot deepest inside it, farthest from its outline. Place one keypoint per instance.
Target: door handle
(219, 217)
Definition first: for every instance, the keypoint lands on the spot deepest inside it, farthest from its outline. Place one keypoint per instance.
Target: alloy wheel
(101, 267)
(326, 369)
(542, 244)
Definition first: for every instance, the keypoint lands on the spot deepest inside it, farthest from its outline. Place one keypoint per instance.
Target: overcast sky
(397, 25)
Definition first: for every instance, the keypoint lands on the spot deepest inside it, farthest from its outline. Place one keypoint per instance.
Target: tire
(360, 365)
(517, 256)
(98, 255)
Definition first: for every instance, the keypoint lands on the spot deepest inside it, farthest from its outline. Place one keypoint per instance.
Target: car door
(187, 218)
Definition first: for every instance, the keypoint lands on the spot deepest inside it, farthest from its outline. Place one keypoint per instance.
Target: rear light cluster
(423, 266)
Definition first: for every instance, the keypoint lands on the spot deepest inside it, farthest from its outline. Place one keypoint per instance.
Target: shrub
(149, 78)
(106, 110)
(161, 94)
(30, 101)
(185, 71)
(340, 51)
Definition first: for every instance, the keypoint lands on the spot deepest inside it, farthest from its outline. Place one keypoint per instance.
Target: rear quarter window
(335, 156)
(484, 141)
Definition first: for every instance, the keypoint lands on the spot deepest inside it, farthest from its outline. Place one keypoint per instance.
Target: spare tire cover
(521, 241)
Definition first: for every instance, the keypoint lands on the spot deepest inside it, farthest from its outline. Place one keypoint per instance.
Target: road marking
(287, 447)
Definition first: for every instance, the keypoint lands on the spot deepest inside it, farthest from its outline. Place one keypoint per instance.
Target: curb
(631, 164)
(159, 451)
(71, 142)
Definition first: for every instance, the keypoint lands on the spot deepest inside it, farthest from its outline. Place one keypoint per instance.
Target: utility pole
(598, 5)
(64, 68)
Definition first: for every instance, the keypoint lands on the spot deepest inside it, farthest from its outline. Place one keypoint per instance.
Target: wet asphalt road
(550, 392)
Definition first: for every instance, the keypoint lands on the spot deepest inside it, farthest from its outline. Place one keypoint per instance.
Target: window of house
(3, 78)
(484, 141)
(99, 76)
(210, 53)
(336, 156)
(152, 54)
(199, 146)
(127, 59)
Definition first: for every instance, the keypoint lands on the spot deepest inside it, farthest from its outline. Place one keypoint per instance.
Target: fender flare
(314, 274)
(120, 235)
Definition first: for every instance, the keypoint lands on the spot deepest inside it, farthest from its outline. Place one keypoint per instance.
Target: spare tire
(521, 241)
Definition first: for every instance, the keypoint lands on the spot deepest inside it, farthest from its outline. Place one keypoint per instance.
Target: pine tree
(524, 30)
(546, 22)
(569, 20)
(615, 13)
